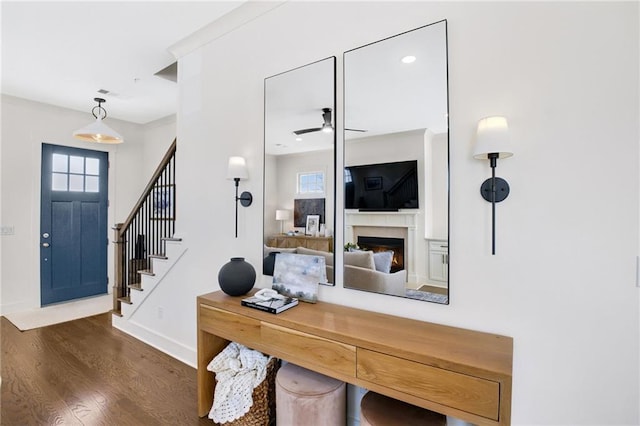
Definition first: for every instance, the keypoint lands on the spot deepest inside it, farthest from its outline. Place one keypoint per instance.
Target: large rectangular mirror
(299, 163)
(396, 166)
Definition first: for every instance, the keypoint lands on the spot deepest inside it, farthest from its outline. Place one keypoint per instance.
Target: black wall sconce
(492, 142)
(237, 171)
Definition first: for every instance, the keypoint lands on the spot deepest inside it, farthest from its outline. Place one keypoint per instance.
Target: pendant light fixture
(98, 131)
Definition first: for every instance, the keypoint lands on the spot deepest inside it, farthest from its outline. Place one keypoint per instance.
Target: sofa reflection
(359, 270)
(366, 279)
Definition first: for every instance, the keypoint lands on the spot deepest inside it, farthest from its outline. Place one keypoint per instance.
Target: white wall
(562, 282)
(158, 136)
(25, 126)
(287, 168)
(436, 191)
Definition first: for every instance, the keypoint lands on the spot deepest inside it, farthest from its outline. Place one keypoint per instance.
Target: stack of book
(273, 305)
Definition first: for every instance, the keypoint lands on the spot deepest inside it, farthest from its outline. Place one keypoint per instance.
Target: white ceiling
(382, 95)
(294, 101)
(62, 53)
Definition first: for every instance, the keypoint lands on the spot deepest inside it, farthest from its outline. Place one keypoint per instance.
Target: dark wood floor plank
(31, 398)
(86, 372)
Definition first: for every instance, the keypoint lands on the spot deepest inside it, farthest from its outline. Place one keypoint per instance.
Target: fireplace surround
(401, 225)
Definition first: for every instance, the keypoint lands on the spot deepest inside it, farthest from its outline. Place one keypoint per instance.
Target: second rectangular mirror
(396, 160)
(299, 163)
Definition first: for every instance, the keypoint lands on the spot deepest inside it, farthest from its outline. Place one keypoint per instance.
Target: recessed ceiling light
(408, 59)
(298, 139)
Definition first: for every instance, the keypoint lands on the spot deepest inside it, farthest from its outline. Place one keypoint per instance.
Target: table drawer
(460, 391)
(237, 328)
(302, 348)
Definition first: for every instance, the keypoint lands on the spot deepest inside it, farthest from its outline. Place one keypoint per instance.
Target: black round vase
(236, 277)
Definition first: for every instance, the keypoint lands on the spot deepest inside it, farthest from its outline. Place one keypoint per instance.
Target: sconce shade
(492, 137)
(283, 214)
(237, 168)
(98, 131)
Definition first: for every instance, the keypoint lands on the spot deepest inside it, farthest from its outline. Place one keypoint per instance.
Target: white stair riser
(173, 249)
(160, 267)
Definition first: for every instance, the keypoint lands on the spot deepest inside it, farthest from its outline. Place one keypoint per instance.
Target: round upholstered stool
(380, 410)
(304, 397)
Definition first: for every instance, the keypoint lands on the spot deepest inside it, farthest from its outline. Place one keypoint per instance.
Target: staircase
(149, 279)
(145, 247)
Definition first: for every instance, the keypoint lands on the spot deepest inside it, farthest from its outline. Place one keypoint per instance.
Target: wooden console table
(293, 241)
(454, 371)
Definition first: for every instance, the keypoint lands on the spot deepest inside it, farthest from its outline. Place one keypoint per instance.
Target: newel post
(118, 260)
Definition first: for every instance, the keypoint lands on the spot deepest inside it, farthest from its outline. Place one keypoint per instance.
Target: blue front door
(73, 223)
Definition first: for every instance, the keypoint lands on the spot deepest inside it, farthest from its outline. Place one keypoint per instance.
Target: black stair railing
(142, 235)
(406, 188)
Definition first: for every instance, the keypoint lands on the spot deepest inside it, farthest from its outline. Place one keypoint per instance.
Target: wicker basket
(263, 410)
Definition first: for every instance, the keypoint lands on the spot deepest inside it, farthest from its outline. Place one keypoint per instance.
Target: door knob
(45, 244)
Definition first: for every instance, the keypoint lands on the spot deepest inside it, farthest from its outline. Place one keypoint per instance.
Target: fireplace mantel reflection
(398, 232)
(399, 226)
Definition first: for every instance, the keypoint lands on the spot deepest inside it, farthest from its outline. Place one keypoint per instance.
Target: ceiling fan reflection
(326, 125)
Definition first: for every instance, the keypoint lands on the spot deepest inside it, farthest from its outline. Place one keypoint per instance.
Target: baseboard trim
(162, 343)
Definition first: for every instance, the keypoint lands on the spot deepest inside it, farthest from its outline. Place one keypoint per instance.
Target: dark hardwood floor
(85, 372)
